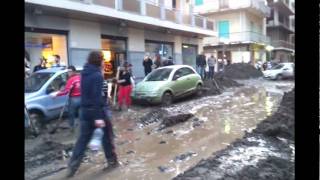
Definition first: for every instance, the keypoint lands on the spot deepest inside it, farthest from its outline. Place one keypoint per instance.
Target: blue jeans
(201, 71)
(74, 107)
(211, 72)
(87, 128)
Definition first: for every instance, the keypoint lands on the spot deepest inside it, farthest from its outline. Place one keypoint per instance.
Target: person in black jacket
(201, 64)
(147, 63)
(93, 114)
(41, 65)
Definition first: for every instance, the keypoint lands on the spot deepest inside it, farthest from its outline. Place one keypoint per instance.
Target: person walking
(41, 65)
(125, 88)
(211, 63)
(201, 64)
(93, 115)
(147, 64)
(72, 88)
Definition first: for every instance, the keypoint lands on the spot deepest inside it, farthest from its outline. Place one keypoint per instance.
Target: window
(199, 2)
(159, 75)
(224, 29)
(278, 66)
(59, 82)
(36, 81)
(187, 71)
(174, 4)
(164, 49)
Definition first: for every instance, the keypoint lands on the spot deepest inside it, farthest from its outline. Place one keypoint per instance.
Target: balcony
(143, 12)
(238, 37)
(285, 25)
(283, 6)
(155, 10)
(215, 6)
(282, 44)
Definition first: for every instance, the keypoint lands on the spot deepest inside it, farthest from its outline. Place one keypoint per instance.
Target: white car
(280, 71)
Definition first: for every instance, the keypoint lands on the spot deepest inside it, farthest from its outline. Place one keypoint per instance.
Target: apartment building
(280, 29)
(124, 30)
(241, 26)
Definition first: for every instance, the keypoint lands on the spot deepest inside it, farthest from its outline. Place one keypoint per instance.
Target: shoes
(70, 172)
(111, 165)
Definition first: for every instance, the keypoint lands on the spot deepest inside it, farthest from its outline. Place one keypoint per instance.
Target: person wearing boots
(93, 115)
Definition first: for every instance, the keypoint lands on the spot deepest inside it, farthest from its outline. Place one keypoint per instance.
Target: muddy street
(160, 143)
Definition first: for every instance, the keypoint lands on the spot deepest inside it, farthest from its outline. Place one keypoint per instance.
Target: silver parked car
(280, 71)
(38, 87)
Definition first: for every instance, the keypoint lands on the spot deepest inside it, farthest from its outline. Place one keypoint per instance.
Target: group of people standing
(150, 64)
(202, 62)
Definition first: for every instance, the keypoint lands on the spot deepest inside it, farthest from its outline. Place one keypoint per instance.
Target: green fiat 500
(168, 83)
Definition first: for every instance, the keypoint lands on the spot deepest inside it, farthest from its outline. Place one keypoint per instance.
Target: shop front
(189, 54)
(114, 51)
(45, 43)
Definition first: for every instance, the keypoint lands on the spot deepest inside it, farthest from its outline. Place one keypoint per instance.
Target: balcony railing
(216, 6)
(238, 37)
(155, 10)
(282, 43)
(283, 24)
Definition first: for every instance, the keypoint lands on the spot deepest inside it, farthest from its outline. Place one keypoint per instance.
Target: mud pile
(218, 84)
(265, 153)
(240, 71)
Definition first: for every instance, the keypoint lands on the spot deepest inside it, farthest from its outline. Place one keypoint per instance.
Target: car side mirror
(49, 90)
(285, 69)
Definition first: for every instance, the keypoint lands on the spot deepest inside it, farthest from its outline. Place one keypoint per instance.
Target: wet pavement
(145, 152)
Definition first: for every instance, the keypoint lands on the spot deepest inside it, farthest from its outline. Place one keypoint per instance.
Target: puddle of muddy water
(220, 120)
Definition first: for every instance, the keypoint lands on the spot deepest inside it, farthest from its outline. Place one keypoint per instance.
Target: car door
(179, 86)
(191, 79)
(287, 71)
(55, 105)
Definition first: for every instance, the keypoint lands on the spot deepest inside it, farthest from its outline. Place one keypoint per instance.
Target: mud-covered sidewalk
(265, 153)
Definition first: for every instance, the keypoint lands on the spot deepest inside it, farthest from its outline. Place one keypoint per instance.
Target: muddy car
(280, 71)
(38, 89)
(166, 84)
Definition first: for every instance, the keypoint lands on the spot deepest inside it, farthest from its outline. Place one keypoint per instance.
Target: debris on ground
(216, 85)
(240, 71)
(265, 153)
(48, 153)
(172, 120)
(184, 157)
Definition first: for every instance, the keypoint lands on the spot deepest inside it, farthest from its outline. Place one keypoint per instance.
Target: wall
(46, 22)
(84, 37)
(136, 50)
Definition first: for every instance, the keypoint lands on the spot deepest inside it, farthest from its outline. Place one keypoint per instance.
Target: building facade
(241, 26)
(124, 30)
(280, 29)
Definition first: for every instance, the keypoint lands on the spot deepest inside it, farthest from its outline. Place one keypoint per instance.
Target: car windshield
(159, 75)
(36, 81)
(279, 66)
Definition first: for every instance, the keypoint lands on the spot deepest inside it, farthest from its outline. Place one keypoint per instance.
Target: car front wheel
(279, 77)
(37, 123)
(199, 90)
(167, 99)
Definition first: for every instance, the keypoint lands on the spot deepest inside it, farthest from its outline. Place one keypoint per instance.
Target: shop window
(45, 45)
(163, 49)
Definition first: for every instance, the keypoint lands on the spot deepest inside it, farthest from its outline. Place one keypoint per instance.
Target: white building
(241, 26)
(124, 29)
